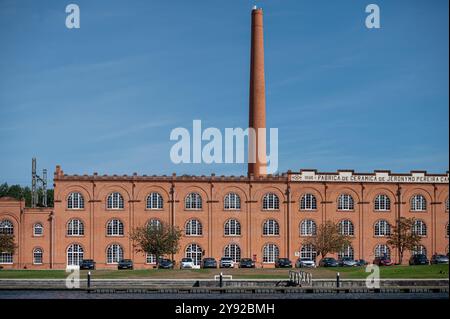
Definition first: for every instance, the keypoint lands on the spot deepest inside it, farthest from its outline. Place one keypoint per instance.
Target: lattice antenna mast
(35, 179)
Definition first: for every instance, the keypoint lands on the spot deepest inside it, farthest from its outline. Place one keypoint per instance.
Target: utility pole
(35, 179)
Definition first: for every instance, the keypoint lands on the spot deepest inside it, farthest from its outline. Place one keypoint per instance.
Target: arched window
(193, 228)
(75, 255)
(154, 223)
(75, 201)
(232, 228)
(271, 228)
(75, 227)
(233, 251)
(115, 201)
(232, 201)
(114, 254)
(154, 201)
(418, 203)
(37, 256)
(308, 251)
(195, 252)
(193, 201)
(270, 253)
(308, 228)
(150, 259)
(308, 202)
(382, 250)
(38, 229)
(382, 228)
(346, 252)
(114, 228)
(271, 202)
(419, 250)
(6, 227)
(345, 202)
(346, 228)
(382, 203)
(419, 227)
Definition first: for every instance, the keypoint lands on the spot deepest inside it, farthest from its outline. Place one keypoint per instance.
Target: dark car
(125, 264)
(418, 259)
(361, 262)
(165, 264)
(246, 263)
(347, 262)
(283, 263)
(87, 264)
(209, 263)
(328, 262)
(382, 261)
(439, 259)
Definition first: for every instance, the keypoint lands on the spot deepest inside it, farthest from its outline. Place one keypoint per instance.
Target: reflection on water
(78, 294)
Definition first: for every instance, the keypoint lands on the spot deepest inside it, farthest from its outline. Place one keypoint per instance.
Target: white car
(226, 262)
(305, 262)
(187, 263)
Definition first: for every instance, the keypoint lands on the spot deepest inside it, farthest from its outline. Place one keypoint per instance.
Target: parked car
(347, 262)
(305, 262)
(383, 261)
(246, 263)
(439, 259)
(361, 262)
(283, 263)
(418, 259)
(226, 262)
(165, 264)
(187, 263)
(328, 262)
(87, 264)
(125, 264)
(209, 263)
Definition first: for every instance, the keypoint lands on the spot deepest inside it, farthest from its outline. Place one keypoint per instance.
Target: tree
(7, 244)
(328, 239)
(159, 240)
(19, 192)
(403, 237)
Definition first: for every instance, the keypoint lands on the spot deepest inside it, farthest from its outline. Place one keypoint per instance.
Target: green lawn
(413, 272)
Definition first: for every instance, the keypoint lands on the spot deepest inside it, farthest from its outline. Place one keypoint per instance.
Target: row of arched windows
(270, 201)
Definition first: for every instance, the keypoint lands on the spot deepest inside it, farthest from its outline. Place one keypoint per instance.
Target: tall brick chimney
(257, 107)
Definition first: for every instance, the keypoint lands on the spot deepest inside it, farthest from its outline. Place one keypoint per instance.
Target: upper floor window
(271, 228)
(419, 227)
(193, 201)
(154, 224)
(193, 228)
(382, 228)
(115, 201)
(232, 228)
(115, 228)
(75, 227)
(308, 202)
(382, 203)
(308, 228)
(345, 202)
(271, 202)
(418, 203)
(75, 201)
(154, 201)
(232, 202)
(38, 229)
(6, 227)
(346, 228)
(37, 256)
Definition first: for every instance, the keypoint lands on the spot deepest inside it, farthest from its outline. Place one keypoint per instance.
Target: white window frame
(308, 251)
(75, 227)
(232, 227)
(420, 228)
(270, 253)
(75, 252)
(382, 249)
(382, 228)
(271, 228)
(382, 203)
(6, 227)
(233, 251)
(193, 227)
(195, 252)
(36, 253)
(154, 201)
(418, 203)
(346, 202)
(308, 227)
(346, 227)
(232, 201)
(114, 253)
(75, 200)
(115, 201)
(308, 202)
(193, 201)
(38, 226)
(115, 228)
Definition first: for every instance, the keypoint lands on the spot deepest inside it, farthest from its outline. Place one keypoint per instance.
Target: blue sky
(105, 97)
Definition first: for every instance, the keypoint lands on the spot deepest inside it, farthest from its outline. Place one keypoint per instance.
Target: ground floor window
(346, 252)
(382, 251)
(150, 259)
(75, 255)
(233, 251)
(37, 256)
(114, 254)
(419, 250)
(270, 253)
(195, 252)
(308, 251)
(6, 258)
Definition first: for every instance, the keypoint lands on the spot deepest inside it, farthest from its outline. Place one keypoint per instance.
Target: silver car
(347, 262)
(305, 262)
